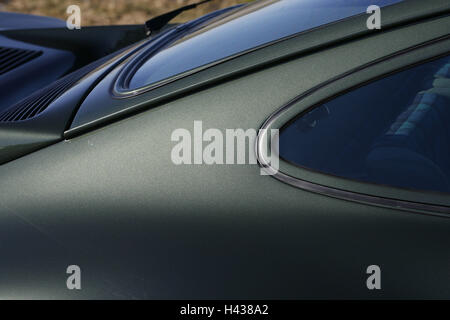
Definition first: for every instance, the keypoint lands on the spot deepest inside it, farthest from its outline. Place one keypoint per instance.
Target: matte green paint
(111, 201)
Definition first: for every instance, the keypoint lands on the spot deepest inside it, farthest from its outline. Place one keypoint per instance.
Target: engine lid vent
(41, 99)
(11, 58)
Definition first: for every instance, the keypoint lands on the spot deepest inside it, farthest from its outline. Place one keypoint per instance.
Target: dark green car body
(107, 197)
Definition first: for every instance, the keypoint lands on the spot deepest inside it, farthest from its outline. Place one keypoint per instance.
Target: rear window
(248, 27)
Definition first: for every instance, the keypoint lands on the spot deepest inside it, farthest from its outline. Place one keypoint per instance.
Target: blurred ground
(104, 12)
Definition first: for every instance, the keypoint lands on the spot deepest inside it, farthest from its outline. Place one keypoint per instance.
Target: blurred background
(106, 12)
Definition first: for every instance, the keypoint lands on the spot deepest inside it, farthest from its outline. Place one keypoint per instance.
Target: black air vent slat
(44, 105)
(26, 110)
(18, 61)
(10, 113)
(6, 52)
(41, 103)
(11, 58)
(36, 103)
(30, 104)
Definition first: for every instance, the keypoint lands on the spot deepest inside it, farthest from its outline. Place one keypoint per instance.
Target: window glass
(394, 131)
(248, 27)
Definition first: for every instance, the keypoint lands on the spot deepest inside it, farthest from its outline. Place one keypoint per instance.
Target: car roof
(297, 45)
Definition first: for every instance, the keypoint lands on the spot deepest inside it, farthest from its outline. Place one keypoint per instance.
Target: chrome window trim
(121, 89)
(399, 204)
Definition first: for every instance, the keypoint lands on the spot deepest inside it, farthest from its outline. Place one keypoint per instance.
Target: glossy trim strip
(429, 209)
